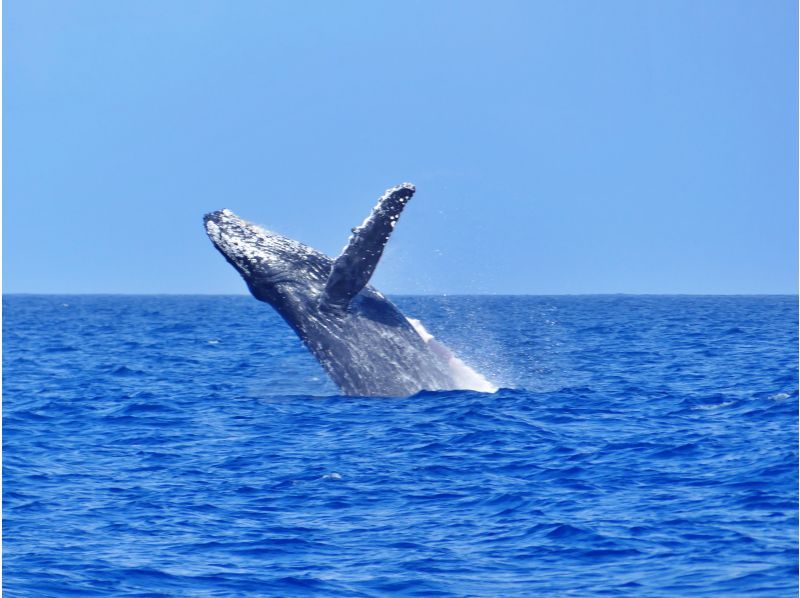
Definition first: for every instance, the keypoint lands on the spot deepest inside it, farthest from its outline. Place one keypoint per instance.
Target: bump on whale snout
(217, 216)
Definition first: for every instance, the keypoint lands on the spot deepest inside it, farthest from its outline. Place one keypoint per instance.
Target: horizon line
(607, 294)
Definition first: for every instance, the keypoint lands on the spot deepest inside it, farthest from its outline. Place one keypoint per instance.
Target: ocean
(191, 446)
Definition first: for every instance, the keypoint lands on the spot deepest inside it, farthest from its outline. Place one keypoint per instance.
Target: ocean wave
(647, 447)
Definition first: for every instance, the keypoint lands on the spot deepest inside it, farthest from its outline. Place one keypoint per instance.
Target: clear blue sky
(557, 147)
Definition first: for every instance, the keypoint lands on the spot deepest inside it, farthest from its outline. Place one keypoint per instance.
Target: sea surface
(190, 446)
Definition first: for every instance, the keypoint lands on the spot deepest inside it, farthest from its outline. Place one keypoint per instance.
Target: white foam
(713, 406)
(464, 376)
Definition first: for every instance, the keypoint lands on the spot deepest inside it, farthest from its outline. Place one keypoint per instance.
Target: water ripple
(189, 446)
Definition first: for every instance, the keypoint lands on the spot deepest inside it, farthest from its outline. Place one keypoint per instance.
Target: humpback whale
(364, 343)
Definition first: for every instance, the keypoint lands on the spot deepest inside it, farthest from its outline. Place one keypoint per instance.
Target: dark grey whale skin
(365, 343)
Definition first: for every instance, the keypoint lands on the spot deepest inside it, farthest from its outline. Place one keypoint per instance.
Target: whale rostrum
(364, 343)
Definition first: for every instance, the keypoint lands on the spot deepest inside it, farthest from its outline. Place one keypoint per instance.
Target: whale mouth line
(249, 248)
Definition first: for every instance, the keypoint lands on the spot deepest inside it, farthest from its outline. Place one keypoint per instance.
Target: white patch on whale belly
(464, 376)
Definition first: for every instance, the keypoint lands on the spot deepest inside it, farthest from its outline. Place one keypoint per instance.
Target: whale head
(273, 266)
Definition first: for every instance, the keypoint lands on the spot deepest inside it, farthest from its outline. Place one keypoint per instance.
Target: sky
(557, 146)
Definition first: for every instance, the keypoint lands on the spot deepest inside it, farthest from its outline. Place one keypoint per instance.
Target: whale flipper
(353, 268)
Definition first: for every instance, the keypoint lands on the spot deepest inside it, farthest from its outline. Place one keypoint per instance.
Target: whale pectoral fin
(353, 268)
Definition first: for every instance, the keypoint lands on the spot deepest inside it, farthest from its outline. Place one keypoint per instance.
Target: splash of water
(464, 376)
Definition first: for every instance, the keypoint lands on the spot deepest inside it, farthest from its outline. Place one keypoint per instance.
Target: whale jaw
(266, 260)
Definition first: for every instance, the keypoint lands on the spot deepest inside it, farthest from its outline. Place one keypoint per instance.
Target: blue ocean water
(191, 446)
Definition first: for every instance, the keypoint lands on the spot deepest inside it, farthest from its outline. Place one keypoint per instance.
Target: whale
(362, 340)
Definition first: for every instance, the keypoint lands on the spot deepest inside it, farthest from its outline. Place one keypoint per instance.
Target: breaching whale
(364, 343)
